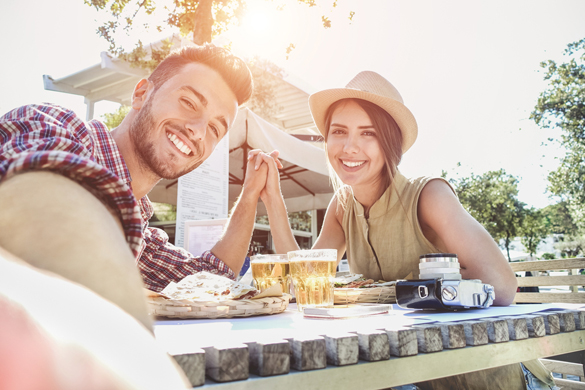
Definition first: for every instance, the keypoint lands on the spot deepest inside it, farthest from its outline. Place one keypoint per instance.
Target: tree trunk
(203, 21)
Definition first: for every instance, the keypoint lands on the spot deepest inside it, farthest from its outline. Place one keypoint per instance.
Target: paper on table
(346, 311)
(425, 316)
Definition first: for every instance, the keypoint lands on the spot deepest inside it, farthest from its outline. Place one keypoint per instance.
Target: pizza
(205, 286)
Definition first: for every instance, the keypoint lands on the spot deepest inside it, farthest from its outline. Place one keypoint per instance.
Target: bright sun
(263, 31)
(257, 21)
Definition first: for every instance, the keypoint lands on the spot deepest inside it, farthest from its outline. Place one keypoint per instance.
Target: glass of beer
(268, 270)
(312, 272)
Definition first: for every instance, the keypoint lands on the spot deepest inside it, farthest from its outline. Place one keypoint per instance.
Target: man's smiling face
(179, 125)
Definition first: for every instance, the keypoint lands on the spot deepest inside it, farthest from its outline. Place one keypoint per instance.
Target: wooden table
(230, 349)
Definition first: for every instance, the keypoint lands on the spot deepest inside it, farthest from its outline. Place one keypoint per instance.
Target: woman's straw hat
(374, 88)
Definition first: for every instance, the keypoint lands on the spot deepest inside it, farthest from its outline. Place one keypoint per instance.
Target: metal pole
(90, 107)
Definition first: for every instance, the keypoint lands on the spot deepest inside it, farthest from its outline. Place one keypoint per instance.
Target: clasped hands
(262, 174)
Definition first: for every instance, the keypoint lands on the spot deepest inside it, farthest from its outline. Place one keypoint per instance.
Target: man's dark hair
(232, 69)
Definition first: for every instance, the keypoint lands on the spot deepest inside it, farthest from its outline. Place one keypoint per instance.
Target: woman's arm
(447, 225)
(332, 236)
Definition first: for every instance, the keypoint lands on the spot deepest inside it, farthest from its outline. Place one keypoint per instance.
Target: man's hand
(233, 246)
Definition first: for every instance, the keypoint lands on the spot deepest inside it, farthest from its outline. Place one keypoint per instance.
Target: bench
(572, 281)
(568, 292)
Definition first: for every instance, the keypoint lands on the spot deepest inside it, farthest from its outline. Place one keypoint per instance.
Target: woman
(382, 220)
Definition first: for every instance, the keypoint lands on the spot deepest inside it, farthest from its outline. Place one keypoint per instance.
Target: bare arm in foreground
(233, 246)
(65, 229)
(55, 334)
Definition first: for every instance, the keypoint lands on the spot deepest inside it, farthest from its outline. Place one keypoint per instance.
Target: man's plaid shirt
(49, 137)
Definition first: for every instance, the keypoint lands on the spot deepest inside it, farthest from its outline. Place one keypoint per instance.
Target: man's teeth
(179, 144)
(353, 164)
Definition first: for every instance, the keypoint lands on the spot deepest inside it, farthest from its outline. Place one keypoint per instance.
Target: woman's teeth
(179, 144)
(353, 164)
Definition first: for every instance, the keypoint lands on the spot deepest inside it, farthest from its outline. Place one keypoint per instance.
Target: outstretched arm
(233, 246)
(450, 228)
(271, 196)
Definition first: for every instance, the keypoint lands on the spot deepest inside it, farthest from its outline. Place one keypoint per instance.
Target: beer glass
(268, 270)
(312, 272)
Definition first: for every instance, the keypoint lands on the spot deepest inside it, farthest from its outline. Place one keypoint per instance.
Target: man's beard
(145, 148)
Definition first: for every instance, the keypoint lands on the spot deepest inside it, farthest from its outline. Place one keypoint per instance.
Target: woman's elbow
(506, 292)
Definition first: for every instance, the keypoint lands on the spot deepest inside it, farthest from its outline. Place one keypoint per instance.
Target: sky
(468, 70)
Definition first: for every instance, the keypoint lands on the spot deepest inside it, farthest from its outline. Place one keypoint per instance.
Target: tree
(571, 248)
(533, 230)
(201, 20)
(265, 74)
(562, 106)
(492, 199)
(558, 219)
(113, 120)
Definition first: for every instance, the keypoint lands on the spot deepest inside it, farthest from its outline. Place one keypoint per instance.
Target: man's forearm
(233, 246)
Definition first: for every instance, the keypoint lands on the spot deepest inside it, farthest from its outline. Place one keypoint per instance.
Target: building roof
(111, 79)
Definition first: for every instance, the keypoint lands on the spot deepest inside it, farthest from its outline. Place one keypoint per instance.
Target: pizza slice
(205, 286)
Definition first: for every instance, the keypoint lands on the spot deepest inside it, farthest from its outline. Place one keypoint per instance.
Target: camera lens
(439, 265)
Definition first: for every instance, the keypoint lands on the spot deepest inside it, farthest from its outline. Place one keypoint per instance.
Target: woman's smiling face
(353, 148)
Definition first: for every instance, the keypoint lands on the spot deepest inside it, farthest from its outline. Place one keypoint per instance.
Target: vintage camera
(440, 286)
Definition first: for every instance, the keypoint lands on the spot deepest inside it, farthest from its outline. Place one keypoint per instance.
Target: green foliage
(139, 56)
(572, 247)
(189, 16)
(559, 220)
(300, 220)
(262, 219)
(492, 199)
(200, 20)
(548, 256)
(533, 230)
(562, 106)
(266, 75)
(164, 212)
(114, 119)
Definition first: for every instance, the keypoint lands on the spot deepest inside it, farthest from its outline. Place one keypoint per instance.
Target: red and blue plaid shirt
(49, 137)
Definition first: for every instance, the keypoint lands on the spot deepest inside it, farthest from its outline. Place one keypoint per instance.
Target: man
(68, 188)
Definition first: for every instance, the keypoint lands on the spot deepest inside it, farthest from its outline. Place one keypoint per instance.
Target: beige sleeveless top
(387, 245)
